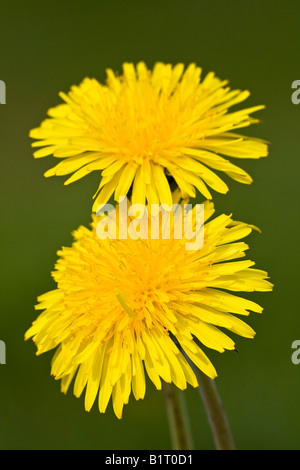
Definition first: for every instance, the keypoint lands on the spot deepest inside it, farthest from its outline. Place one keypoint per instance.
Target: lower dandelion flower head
(124, 309)
(146, 128)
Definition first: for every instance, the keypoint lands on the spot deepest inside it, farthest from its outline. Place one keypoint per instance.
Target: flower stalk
(179, 424)
(215, 412)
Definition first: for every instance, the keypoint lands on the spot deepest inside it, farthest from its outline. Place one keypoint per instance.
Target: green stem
(178, 418)
(215, 412)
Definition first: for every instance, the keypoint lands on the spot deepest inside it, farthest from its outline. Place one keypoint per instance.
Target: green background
(45, 47)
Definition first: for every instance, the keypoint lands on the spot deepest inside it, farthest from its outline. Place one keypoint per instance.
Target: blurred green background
(45, 47)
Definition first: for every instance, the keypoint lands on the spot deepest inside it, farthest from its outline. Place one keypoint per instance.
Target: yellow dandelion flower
(127, 308)
(146, 128)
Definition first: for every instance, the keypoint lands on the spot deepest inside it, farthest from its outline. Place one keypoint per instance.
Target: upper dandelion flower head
(146, 128)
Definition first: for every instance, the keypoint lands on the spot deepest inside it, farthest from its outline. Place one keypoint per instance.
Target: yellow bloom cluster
(129, 308)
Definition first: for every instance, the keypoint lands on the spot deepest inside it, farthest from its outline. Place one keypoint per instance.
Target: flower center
(124, 303)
